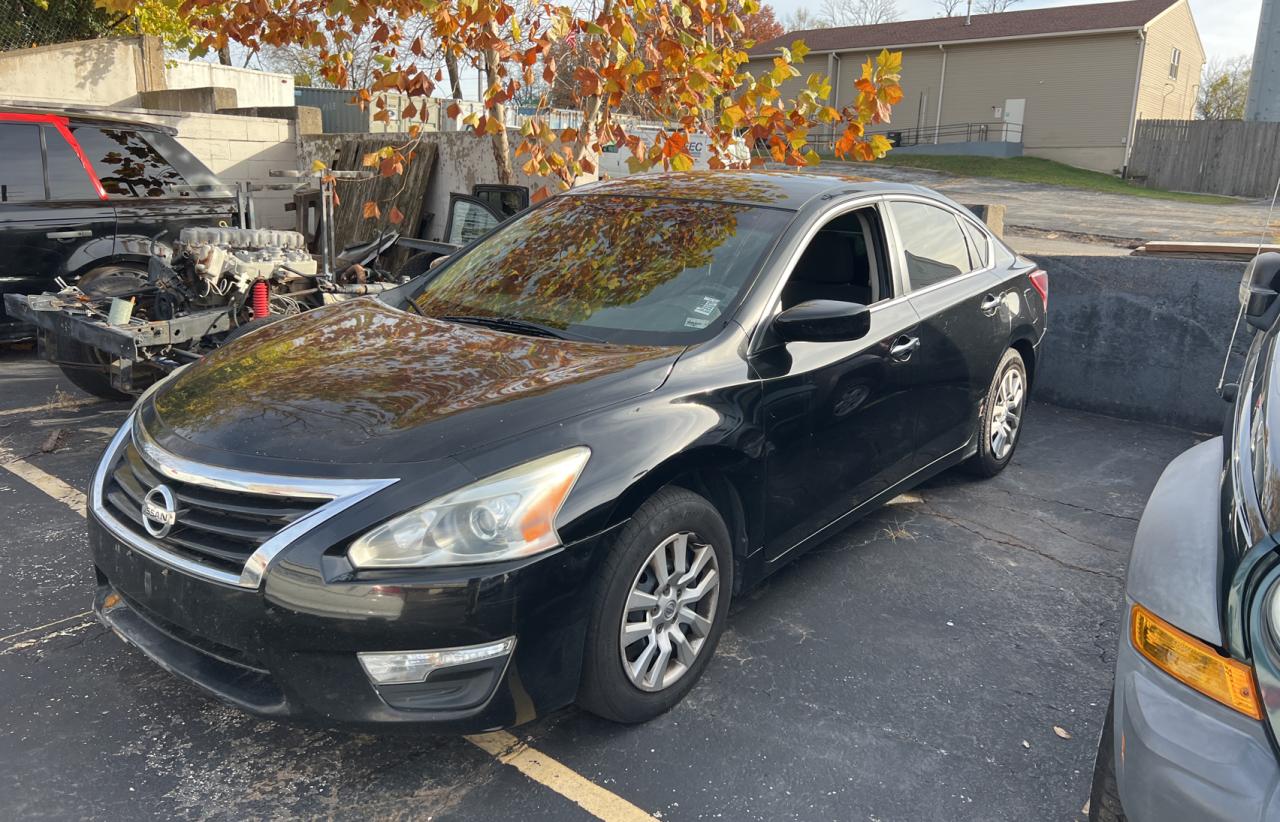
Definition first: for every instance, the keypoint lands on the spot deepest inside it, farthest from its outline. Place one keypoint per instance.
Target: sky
(1227, 27)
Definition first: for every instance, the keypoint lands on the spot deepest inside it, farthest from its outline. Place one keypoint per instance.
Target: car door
(964, 327)
(838, 416)
(53, 220)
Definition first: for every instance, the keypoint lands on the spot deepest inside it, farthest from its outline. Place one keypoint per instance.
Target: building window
(1173, 63)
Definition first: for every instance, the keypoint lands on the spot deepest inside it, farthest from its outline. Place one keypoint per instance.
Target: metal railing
(988, 132)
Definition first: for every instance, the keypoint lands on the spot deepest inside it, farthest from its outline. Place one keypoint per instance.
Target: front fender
(1175, 570)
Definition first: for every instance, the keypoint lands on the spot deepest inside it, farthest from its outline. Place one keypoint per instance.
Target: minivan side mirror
(1260, 288)
(823, 321)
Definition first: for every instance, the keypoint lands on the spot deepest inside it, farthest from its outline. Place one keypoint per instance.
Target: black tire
(1104, 796)
(986, 462)
(88, 368)
(418, 264)
(606, 689)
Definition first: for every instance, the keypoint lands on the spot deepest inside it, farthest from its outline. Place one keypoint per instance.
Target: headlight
(505, 516)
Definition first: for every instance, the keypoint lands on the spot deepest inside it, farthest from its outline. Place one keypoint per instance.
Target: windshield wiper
(518, 326)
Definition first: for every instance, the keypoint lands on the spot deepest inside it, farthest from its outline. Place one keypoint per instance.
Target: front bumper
(287, 650)
(1182, 756)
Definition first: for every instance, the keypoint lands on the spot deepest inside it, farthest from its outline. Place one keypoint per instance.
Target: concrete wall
(106, 72)
(1140, 337)
(253, 88)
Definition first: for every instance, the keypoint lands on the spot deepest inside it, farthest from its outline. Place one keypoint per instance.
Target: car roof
(87, 117)
(778, 189)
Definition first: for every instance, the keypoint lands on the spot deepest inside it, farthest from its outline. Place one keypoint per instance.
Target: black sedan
(538, 473)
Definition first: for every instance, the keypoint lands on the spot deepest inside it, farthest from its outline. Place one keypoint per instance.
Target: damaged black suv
(537, 473)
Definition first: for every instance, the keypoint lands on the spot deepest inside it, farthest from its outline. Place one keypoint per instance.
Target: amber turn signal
(1194, 663)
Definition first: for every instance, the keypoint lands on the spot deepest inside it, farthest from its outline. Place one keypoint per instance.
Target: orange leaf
(371, 211)
(396, 216)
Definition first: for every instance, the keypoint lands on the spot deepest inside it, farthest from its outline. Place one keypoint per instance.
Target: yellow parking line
(52, 406)
(46, 482)
(544, 770)
(502, 746)
(25, 631)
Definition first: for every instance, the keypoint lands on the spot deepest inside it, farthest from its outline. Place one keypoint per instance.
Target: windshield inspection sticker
(708, 308)
(696, 322)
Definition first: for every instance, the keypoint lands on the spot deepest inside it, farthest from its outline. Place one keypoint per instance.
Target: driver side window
(844, 261)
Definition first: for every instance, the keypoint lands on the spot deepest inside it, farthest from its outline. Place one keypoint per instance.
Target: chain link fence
(27, 24)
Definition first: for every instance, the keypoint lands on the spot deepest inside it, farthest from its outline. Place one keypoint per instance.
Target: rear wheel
(1000, 417)
(659, 608)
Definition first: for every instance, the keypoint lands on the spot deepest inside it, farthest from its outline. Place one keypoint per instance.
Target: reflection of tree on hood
(372, 368)
(581, 254)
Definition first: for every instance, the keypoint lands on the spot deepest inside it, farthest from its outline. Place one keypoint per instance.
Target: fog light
(404, 667)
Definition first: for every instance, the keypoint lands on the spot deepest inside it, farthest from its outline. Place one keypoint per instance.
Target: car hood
(361, 382)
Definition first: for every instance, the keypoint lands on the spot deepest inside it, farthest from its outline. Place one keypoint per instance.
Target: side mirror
(1260, 288)
(823, 321)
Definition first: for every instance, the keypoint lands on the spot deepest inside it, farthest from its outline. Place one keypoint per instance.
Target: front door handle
(903, 347)
(989, 305)
(68, 235)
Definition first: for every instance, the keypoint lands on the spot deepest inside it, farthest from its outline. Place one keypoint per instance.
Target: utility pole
(1264, 82)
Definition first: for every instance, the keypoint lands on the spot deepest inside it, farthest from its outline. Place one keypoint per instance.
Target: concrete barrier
(1140, 337)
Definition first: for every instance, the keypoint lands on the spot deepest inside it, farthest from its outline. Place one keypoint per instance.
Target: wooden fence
(1211, 156)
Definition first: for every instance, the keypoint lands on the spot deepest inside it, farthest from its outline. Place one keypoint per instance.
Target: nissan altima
(538, 473)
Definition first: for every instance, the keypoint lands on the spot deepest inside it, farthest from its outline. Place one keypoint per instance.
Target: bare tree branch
(859, 12)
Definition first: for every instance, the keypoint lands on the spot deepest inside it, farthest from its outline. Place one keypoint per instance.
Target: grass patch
(1044, 172)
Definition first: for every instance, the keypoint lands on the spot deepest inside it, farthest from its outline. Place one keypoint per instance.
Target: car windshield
(622, 269)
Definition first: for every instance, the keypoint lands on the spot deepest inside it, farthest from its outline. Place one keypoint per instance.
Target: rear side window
(67, 178)
(977, 245)
(127, 165)
(21, 167)
(933, 241)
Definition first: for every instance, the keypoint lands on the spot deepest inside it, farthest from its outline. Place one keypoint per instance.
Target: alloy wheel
(1006, 414)
(669, 611)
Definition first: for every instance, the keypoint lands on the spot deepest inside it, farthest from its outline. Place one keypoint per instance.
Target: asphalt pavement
(911, 667)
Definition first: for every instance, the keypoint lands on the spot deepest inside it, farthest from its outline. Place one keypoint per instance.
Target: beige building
(1066, 83)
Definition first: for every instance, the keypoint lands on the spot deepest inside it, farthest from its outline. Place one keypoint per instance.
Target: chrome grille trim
(339, 494)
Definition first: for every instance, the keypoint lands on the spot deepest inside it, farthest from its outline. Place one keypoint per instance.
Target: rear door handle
(989, 305)
(903, 347)
(68, 235)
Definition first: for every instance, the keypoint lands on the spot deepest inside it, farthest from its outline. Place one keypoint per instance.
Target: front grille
(217, 528)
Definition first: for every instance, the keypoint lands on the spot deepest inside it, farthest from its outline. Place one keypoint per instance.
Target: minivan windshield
(614, 268)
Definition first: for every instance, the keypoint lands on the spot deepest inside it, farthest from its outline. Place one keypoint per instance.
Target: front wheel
(1000, 417)
(659, 608)
(86, 367)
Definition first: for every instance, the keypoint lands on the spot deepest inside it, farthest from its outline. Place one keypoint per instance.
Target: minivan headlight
(506, 516)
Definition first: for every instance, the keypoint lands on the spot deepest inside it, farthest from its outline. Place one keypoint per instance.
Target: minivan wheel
(1000, 417)
(659, 608)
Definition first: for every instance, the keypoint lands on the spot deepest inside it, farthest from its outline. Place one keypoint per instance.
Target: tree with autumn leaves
(681, 63)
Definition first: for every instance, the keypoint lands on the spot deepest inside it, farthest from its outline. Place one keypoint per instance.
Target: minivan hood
(361, 382)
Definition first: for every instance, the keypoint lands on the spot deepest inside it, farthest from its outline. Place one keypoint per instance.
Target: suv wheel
(86, 367)
(1000, 417)
(659, 608)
